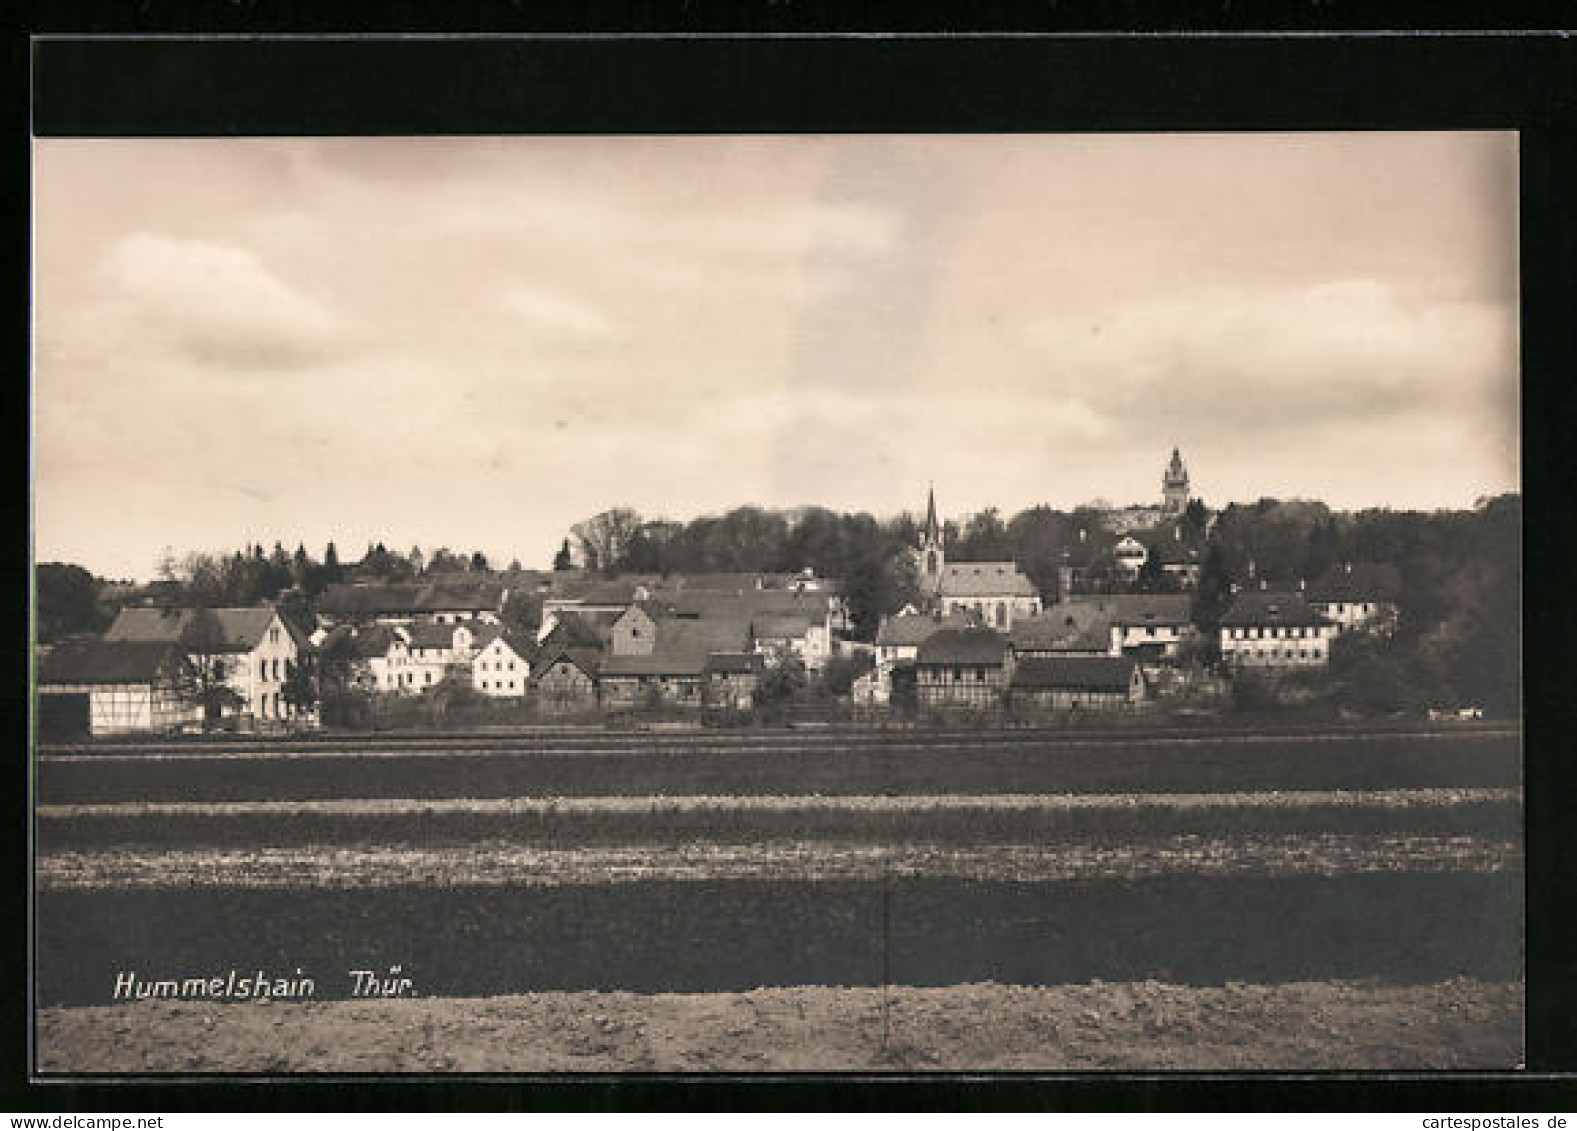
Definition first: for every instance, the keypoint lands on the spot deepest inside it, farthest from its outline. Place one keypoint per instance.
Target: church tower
(1174, 486)
(933, 551)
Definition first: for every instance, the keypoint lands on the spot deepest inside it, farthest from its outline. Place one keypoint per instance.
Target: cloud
(1270, 360)
(556, 314)
(220, 304)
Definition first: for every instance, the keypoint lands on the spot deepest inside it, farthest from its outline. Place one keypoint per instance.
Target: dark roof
(108, 661)
(780, 626)
(1358, 581)
(703, 636)
(658, 663)
(585, 630)
(1262, 608)
(586, 659)
(734, 662)
(1074, 673)
(964, 646)
(242, 628)
(432, 636)
(912, 630)
(450, 594)
(985, 579)
(1130, 608)
(1058, 630)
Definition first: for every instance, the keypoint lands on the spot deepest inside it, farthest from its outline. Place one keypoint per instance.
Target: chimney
(1300, 585)
(1083, 534)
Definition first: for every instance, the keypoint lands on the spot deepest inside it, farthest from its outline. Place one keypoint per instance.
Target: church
(996, 592)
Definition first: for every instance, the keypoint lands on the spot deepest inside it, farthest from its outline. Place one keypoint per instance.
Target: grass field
(715, 864)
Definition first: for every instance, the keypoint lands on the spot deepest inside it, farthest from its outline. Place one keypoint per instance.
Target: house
(1270, 631)
(1072, 628)
(364, 651)
(997, 592)
(962, 668)
(603, 598)
(630, 681)
(256, 650)
(899, 637)
(1075, 683)
(732, 679)
(1130, 555)
(1359, 595)
(1149, 625)
(634, 631)
(778, 636)
(501, 667)
(102, 687)
(565, 679)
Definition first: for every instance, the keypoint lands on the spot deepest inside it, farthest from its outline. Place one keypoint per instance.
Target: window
(273, 635)
(511, 685)
(276, 667)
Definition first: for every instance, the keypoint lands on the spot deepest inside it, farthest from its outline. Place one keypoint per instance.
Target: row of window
(498, 685)
(1288, 654)
(1273, 633)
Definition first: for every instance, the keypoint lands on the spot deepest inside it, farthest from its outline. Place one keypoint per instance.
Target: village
(974, 636)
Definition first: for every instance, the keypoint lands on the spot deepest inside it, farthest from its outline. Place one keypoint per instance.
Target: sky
(477, 342)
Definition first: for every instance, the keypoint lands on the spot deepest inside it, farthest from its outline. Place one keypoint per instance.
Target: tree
(523, 612)
(299, 690)
(333, 572)
(205, 674)
(840, 672)
(1213, 595)
(68, 601)
(562, 560)
(603, 537)
(781, 683)
(478, 562)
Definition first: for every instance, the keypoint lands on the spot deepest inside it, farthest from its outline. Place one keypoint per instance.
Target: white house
(502, 667)
(258, 646)
(1275, 631)
(1360, 595)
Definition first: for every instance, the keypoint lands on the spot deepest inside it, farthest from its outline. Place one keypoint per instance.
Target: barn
(102, 687)
(1100, 683)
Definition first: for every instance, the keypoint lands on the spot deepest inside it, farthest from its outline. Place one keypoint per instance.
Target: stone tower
(1174, 486)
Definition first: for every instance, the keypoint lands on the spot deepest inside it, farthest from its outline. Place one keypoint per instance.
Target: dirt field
(1462, 1024)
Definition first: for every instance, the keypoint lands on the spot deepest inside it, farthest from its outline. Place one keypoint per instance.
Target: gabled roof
(1358, 581)
(1267, 608)
(963, 646)
(586, 659)
(243, 629)
(984, 579)
(909, 631)
(1074, 673)
(109, 661)
(585, 630)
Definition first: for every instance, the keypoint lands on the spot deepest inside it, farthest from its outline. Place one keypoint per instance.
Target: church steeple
(932, 533)
(932, 551)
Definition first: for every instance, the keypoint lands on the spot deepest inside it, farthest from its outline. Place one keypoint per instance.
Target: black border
(585, 80)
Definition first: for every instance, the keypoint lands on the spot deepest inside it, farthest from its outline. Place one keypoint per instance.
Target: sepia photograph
(777, 603)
